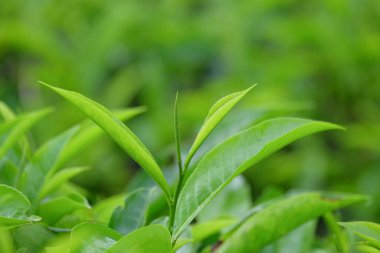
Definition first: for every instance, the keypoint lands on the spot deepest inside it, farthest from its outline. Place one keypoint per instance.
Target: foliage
(37, 196)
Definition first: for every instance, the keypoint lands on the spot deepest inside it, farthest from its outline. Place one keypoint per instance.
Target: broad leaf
(12, 131)
(13, 208)
(154, 238)
(367, 249)
(58, 179)
(216, 114)
(367, 230)
(43, 164)
(134, 213)
(89, 133)
(282, 217)
(8, 172)
(120, 133)
(92, 238)
(234, 156)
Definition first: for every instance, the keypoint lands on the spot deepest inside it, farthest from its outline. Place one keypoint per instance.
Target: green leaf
(8, 172)
(92, 237)
(216, 114)
(53, 210)
(89, 133)
(367, 230)
(58, 179)
(12, 131)
(6, 113)
(134, 213)
(367, 249)
(282, 217)
(234, 156)
(203, 230)
(13, 208)
(6, 241)
(104, 209)
(300, 240)
(154, 238)
(120, 133)
(43, 164)
(232, 201)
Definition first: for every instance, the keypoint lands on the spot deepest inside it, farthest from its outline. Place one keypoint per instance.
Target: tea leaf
(11, 132)
(134, 212)
(104, 209)
(234, 156)
(154, 238)
(216, 114)
(58, 179)
(92, 237)
(43, 164)
(282, 217)
(13, 208)
(119, 132)
(367, 230)
(89, 133)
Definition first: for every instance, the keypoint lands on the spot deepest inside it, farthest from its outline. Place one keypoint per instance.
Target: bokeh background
(318, 59)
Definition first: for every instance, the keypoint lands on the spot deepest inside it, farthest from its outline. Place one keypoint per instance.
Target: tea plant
(37, 198)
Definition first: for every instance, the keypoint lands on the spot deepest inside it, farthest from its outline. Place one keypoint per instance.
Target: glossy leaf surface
(119, 132)
(234, 156)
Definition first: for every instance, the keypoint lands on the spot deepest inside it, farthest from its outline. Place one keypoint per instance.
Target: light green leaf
(58, 179)
(234, 156)
(134, 213)
(103, 210)
(232, 201)
(8, 172)
(203, 230)
(6, 113)
(367, 249)
(367, 230)
(89, 133)
(216, 114)
(282, 217)
(154, 238)
(43, 164)
(119, 132)
(92, 238)
(300, 240)
(6, 241)
(55, 209)
(12, 131)
(13, 208)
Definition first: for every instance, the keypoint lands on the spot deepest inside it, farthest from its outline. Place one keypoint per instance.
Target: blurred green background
(318, 59)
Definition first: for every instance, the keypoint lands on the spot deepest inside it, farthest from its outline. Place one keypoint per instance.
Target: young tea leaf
(153, 238)
(89, 133)
(234, 156)
(119, 132)
(216, 114)
(282, 217)
(12, 131)
(58, 179)
(43, 164)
